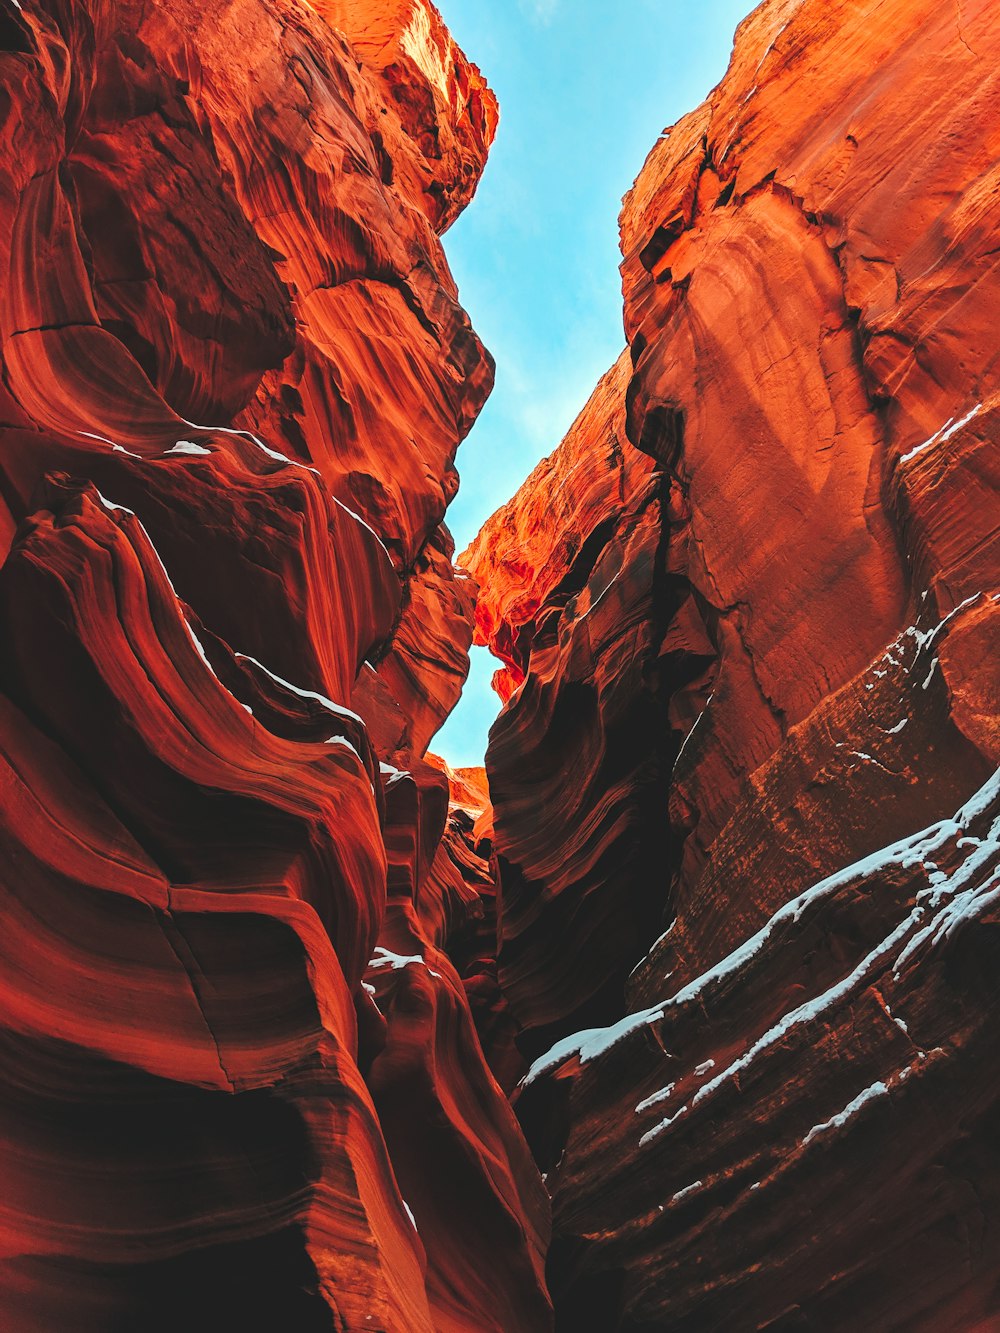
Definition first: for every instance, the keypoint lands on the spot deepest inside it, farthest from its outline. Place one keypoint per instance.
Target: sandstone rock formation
(722, 915)
(577, 761)
(752, 732)
(242, 1084)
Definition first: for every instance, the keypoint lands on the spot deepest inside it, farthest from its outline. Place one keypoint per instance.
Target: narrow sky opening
(585, 88)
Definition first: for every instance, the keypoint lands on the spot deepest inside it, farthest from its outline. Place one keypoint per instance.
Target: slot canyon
(682, 1013)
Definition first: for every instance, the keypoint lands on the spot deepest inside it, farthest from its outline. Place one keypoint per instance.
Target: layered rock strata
(242, 1082)
(752, 683)
(732, 891)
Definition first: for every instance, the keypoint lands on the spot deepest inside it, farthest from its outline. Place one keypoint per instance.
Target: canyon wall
(725, 925)
(242, 1083)
(746, 812)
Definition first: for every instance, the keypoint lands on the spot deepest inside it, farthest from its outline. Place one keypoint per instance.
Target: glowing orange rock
(441, 102)
(455, 1145)
(235, 375)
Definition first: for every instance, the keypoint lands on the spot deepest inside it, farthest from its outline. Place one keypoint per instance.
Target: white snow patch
(948, 896)
(651, 1134)
(655, 1098)
(910, 851)
(950, 428)
(395, 961)
(898, 1021)
(688, 1189)
(357, 517)
(188, 447)
(345, 744)
(964, 906)
(113, 508)
(592, 1042)
(250, 438)
(877, 1089)
(812, 1009)
(103, 439)
(199, 647)
(925, 637)
(336, 709)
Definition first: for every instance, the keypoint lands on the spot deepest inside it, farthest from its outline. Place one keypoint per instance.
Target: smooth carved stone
(235, 375)
(455, 1144)
(428, 661)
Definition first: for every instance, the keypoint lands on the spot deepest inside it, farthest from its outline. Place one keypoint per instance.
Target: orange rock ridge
(568, 575)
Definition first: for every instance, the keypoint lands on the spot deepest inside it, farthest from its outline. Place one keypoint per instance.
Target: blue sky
(585, 87)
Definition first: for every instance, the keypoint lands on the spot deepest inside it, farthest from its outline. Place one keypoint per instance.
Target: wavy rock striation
(751, 732)
(725, 916)
(242, 1081)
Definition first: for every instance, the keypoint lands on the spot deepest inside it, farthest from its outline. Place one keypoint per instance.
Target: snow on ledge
(909, 852)
(951, 427)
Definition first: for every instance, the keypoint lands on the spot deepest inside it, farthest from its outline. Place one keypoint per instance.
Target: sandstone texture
(577, 760)
(242, 1082)
(750, 616)
(682, 1013)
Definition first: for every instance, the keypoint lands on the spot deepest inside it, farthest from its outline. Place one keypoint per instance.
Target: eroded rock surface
(578, 760)
(272, 971)
(242, 1082)
(753, 701)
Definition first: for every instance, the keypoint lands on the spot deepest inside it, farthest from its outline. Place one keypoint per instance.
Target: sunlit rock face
(751, 655)
(235, 375)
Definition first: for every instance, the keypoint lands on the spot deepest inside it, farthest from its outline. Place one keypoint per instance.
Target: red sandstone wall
(771, 692)
(234, 377)
(268, 971)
